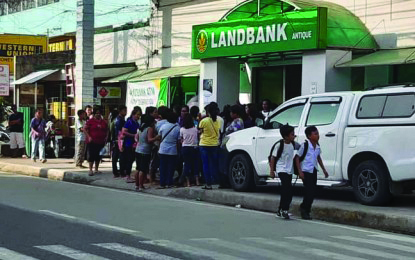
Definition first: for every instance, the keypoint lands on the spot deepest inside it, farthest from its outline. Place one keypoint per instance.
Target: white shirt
(221, 123)
(189, 137)
(265, 114)
(285, 163)
(310, 160)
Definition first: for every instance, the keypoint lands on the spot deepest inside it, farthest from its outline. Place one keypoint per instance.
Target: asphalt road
(43, 219)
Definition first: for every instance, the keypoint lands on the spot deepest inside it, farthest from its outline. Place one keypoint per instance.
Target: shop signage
(108, 92)
(19, 45)
(4, 80)
(143, 94)
(291, 31)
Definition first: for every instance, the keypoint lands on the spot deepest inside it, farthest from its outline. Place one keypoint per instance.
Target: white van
(367, 140)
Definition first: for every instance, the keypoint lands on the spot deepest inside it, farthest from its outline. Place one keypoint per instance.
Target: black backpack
(281, 149)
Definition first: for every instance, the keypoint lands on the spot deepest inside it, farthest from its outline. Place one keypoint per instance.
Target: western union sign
(20, 45)
(297, 30)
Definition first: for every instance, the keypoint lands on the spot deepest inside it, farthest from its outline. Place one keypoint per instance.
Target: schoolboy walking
(281, 162)
(307, 169)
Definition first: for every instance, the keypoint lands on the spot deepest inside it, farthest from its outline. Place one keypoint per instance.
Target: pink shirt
(189, 136)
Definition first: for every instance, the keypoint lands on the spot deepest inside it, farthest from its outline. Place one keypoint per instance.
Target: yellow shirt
(210, 134)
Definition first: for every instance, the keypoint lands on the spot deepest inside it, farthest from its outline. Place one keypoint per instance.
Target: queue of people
(163, 140)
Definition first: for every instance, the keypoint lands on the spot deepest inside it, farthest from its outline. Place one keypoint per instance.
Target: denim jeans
(38, 145)
(209, 156)
(167, 167)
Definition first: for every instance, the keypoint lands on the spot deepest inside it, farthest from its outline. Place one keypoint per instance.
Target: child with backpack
(307, 169)
(281, 162)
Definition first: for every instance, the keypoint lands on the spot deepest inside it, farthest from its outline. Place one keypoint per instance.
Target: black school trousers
(310, 185)
(286, 190)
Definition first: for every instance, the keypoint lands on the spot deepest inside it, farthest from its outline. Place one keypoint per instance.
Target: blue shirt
(169, 144)
(160, 124)
(132, 127)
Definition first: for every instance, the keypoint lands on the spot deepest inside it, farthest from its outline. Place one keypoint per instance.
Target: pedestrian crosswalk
(339, 247)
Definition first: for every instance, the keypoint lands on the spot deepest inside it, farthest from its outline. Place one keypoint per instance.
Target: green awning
(383, 57)
(344, 29)
(158, 73)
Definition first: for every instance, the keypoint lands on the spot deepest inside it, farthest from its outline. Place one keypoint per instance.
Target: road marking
(245, 248)
(378, 243)
(57, 214)
(194, 252)
(91, 222)
(295, 248)
(395, 237)
(70, 252)
(135, 251)
(356, 249)
(7, 254)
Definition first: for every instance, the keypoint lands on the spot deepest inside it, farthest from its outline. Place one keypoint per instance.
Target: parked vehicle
(4, 134)
(367, 140)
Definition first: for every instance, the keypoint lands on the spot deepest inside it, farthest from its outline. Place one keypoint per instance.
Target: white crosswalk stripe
(70, 252)
(7, 254)
(245, 248)
(135, 251)
(395, 237)
(356, 249)
(295, 248)
(194, 252)
(378, 243)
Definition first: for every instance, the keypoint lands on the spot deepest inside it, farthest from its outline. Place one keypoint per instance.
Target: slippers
(91, 173)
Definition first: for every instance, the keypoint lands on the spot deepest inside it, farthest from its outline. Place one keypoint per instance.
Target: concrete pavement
(332, 205)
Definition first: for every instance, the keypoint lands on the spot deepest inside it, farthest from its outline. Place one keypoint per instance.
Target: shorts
(143, 162)
(16, 140)
(93, 152)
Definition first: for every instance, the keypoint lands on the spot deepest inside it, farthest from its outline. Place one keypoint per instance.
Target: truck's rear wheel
(371, 183)
(241, 174)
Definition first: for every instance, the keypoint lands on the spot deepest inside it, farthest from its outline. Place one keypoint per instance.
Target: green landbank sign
(291, 31)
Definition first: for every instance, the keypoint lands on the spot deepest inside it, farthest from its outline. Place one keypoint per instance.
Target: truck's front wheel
(241, 173)
(371, 183)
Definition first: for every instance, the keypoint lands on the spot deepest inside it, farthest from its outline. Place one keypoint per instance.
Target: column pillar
(84, 61)
(166, 38)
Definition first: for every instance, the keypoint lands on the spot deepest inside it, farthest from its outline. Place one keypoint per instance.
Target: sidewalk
(400, 217)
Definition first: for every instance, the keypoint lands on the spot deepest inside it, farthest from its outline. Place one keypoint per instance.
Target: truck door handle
(262, 137)
(330, 134)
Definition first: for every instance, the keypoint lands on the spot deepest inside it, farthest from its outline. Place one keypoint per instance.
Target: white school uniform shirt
(285, 163)
(310, 160)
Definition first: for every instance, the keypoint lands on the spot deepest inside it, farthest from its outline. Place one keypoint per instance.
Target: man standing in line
(119, 124)
(16, 133)
(37, 127)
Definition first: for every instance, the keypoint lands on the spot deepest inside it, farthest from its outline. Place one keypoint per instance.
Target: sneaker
(285, 214)
(279, 213)
(43, 160)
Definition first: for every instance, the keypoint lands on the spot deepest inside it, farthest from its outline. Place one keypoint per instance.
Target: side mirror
(259, 122)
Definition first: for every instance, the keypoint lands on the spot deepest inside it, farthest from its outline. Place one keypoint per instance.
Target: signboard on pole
(145, 94)
(4, 80)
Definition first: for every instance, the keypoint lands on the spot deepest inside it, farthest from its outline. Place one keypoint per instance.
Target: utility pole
(84, 61)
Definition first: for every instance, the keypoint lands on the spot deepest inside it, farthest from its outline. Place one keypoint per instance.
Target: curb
(322, 210)
(52, 174)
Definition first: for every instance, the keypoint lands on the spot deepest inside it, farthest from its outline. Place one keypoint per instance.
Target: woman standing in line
(147, 136)
(190, 150)
(170, 138)
(129, 132)
(209, 141)
(97, 133)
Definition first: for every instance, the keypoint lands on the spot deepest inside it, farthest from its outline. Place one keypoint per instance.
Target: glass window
(371, 107)
(399, 106)
(291, 116)
(14, 7)
(46, 2)
(3, 9)
(322, 114)
(28, 4)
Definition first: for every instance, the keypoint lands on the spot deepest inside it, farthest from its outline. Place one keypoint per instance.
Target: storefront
(278, 50)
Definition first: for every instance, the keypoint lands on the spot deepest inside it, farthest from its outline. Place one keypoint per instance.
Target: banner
(143, 94)
(4, 80)
(291, 31)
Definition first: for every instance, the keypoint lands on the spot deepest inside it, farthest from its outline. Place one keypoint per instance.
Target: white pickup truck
(367, 141)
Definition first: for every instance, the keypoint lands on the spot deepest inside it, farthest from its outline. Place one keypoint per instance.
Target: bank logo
(202, 41)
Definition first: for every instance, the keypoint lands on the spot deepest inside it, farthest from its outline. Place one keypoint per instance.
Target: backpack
(280, 150)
